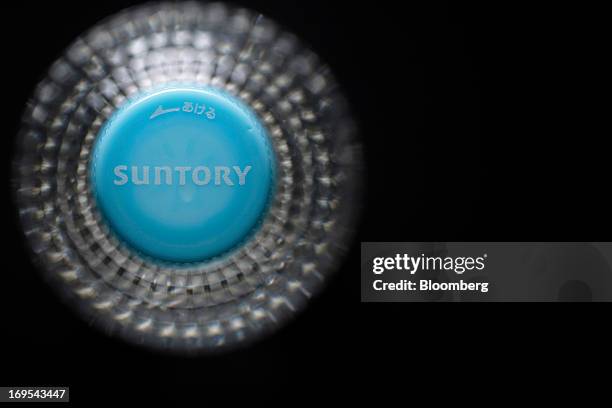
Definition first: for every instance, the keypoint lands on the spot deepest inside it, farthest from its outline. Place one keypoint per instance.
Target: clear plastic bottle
(215, 303)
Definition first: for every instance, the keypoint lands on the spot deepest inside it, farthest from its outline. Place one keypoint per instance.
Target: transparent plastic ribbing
(202, 306)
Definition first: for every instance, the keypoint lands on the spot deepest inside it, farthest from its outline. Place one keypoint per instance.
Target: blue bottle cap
(183, 174)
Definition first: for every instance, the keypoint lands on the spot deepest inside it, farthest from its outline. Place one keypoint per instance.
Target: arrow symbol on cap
(160, 111)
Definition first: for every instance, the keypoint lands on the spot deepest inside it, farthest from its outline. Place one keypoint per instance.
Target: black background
(478, 122)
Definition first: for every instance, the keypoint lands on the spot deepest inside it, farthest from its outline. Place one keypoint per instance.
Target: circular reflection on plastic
(254, 282)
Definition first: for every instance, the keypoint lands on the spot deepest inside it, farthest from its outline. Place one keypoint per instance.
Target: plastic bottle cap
(183, 174)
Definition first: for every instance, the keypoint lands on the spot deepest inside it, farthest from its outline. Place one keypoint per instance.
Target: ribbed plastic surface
(209, 305)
